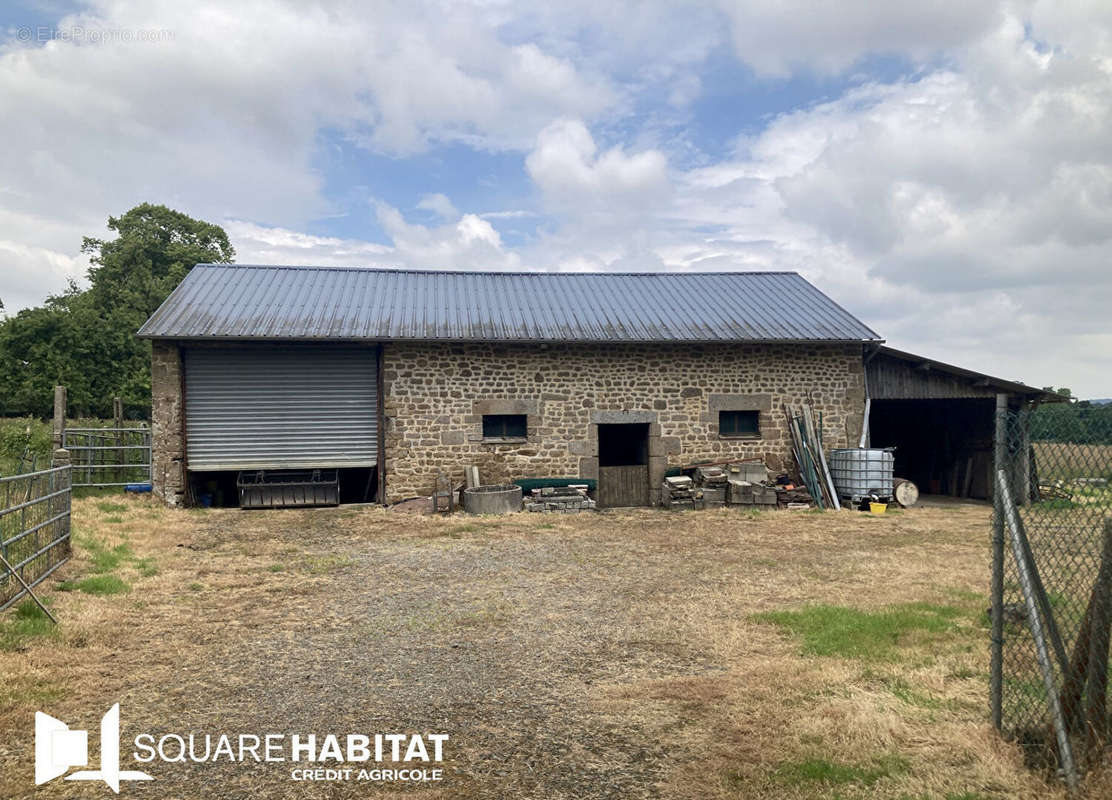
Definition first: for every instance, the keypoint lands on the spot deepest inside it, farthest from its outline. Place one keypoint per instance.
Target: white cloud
(222, 118)
(964, 210)
(572, 175)
(965, 213)
(777, 37)
(260, 244)
(439, 204)
(467, 243)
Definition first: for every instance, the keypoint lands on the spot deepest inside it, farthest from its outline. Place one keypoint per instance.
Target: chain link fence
(1052, 587)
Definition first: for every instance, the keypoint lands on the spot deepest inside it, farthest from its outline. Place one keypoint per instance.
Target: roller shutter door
(277, 408)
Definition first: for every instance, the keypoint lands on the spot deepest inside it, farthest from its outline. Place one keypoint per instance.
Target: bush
(23, 434)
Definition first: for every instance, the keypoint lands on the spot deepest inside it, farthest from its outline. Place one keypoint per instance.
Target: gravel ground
(585, 656)
(496, 643)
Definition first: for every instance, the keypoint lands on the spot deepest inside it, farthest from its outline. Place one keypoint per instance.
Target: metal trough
(288, 488)
(501, 498)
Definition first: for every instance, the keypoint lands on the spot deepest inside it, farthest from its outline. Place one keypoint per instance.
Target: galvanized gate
(34, 528)
(109, 456)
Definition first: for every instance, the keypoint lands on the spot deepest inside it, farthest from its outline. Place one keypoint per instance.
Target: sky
(943, 170)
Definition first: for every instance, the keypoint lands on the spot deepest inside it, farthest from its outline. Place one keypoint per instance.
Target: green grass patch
(275, 567)
(108, 507)
(1054, 504)
(868, 635)
(196, 587)
(146, 567)
(96, 584)
(819, 770)
(24, 623)
(105, 558)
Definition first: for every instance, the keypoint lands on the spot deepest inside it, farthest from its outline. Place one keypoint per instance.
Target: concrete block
(717, 496)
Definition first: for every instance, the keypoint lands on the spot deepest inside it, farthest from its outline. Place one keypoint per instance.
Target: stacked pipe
(809, 456)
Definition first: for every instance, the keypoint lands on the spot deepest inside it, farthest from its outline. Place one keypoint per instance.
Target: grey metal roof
(249, 302)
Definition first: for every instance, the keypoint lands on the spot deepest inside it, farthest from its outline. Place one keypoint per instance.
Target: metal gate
(34, 528)
(1052, 586)
(109, 456)
(249, 408)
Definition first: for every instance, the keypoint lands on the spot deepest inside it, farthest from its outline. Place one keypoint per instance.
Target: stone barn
(394, 377)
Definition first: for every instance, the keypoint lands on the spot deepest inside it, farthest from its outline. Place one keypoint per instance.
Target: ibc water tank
(860, 472)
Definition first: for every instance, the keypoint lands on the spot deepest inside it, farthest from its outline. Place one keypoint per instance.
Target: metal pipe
(1034, 620)
(996, 640)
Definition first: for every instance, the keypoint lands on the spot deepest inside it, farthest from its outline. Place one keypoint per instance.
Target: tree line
(1078, 422)
(85, 339)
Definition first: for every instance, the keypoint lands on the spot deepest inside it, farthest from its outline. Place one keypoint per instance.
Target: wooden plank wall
(896, 379)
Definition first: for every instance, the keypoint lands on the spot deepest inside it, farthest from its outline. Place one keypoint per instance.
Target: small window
(503, 426)
(739, 423)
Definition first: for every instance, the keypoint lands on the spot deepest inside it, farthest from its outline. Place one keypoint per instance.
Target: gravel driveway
(565, 656)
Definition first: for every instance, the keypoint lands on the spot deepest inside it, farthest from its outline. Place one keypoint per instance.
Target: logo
(57, 748)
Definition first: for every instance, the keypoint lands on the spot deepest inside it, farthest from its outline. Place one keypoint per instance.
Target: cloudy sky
(943, 169)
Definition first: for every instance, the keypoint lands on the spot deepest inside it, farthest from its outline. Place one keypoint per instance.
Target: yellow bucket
(878, 508)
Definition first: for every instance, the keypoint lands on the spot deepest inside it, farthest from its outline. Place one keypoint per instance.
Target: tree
(85, 339)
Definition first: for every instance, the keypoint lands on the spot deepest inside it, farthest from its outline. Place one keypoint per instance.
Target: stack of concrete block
(751, 494)
(711, 476)
(560, 499)
(681, 493)
(712, 483)
(750, 471)
(714, 498)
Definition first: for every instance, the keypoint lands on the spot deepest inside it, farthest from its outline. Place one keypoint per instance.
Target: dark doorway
(944, 445)
(623, 465)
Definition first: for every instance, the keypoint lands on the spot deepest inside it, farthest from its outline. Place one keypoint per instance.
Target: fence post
(996, 666)
(59, 415)
(62, 459)
(118, 423)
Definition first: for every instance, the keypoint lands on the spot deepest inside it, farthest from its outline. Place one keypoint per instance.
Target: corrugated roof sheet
(236, 301)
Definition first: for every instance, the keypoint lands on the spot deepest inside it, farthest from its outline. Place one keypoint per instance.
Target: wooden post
(118, 423)
(59, 415)
(1022, 481)
(1100, 620)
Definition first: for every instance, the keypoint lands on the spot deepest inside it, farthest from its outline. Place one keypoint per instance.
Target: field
(620, 655)
(1066, 460)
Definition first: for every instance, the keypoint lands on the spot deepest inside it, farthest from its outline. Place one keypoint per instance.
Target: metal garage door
(277, 408)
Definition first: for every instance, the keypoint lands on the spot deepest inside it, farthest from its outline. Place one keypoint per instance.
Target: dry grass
(1066, 461)
(612, 655)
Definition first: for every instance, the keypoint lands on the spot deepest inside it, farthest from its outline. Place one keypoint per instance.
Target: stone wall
(166, 423)
(436, 394)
